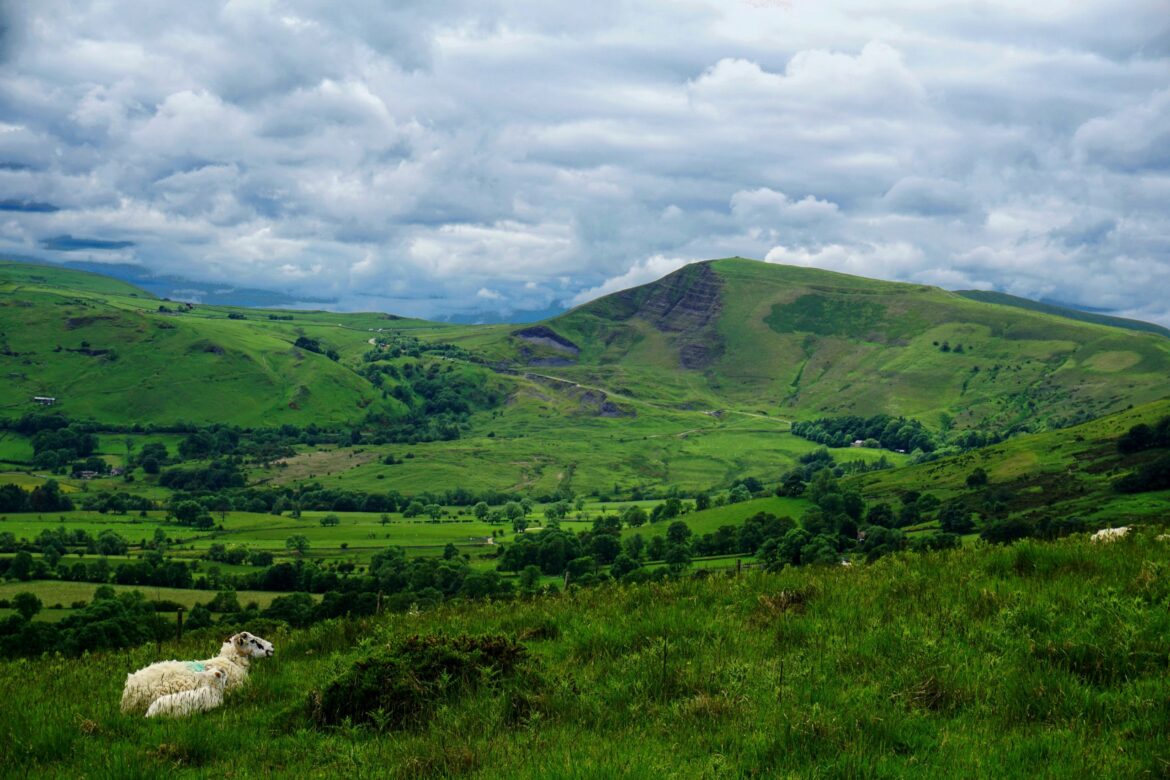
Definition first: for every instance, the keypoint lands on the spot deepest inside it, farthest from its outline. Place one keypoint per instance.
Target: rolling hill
(800, 342)
(690, 381)
(110, 352)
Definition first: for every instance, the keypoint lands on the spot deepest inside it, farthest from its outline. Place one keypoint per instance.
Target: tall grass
(1024, 661)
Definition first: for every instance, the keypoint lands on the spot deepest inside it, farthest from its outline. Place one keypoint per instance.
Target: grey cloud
(67, 243)
(29, 206)
(466, 156)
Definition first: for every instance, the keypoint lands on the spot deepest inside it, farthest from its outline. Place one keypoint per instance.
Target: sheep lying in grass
(207, 696)
(167, 677)
(1110, 534)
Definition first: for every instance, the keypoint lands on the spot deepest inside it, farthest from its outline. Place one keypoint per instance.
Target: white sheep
(207, 696)
(1109, 534)
(167, 677)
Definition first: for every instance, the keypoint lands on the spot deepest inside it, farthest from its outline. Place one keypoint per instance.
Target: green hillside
(1068, 473)
(803, 342)
(988, 296)
(1038, 660)
(109, 352)
(688, 382)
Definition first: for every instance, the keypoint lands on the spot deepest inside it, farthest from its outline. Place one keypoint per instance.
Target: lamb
(1109, 534)
(167, 677)
(207, 696)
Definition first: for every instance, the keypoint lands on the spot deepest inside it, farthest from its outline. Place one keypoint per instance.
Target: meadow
(990, 662)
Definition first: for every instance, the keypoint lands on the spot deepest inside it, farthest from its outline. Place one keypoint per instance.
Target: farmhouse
(44, 400)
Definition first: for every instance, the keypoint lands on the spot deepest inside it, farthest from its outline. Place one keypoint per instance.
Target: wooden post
(179, 623)
(738, 566)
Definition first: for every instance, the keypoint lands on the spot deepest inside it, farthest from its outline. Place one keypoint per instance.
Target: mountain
(690, 381)
(802, 342)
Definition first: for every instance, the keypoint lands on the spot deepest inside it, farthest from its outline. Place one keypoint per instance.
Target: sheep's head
(251, 646)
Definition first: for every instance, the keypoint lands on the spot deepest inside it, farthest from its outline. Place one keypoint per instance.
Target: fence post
(179, 622)
(738, 566)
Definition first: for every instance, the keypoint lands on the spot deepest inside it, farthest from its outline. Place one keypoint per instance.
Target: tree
(605, 548)
(329, 521)
(954, 518)
(481, 510)
(679, 533)
(520, 525)
(513, 511)
(677, 557)
(702, 501)
(623, 565)
(450, 551)
(21, 566)
(977, 478)
(634, 516)
(110, 543)
(433, 511)
(198, 617)
(738, 493)
(530, 578)
(384, 519)
(297, 542)
(880, 515)
(27, 604)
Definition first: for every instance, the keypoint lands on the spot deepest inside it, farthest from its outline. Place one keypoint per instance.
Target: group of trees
(439, 398)
(108, 622)
(1154, 474)
(881, 430)
(47, 497)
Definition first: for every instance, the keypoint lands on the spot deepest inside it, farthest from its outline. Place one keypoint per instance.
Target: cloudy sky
(447, 156)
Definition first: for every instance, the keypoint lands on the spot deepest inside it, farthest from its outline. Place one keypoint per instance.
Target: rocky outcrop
(687, 303)
(544, 336)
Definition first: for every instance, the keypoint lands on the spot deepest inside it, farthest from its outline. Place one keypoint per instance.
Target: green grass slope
(1054, 474)
(804, 342)
(108, 352)
(1028, 661)
(989, 296)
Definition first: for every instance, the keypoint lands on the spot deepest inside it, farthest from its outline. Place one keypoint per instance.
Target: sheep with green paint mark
(207, 696)
(160, 679)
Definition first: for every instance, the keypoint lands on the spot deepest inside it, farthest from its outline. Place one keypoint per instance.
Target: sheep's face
(252, 646)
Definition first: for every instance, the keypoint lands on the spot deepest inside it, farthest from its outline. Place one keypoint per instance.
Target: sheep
(166, 677)
(207, 696)
(1109, 534)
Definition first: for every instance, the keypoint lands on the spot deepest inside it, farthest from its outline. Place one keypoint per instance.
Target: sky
(486, 158)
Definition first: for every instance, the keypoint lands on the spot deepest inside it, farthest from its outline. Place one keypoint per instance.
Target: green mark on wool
(195, 666)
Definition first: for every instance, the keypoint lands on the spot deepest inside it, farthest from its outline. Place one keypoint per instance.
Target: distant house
(44, 400)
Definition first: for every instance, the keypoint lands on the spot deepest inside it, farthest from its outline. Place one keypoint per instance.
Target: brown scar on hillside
(319, 463)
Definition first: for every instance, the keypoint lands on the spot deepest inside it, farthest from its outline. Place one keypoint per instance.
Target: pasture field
(65, 593)
(1031, 660)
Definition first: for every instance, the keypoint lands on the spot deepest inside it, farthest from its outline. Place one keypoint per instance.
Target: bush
(403, 684)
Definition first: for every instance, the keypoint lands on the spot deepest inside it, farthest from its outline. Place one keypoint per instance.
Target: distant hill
(110, 351)
(988, 296)
(806, 342)
(768, 341)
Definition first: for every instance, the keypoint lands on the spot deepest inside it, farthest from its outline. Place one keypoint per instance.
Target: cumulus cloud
(433, 158)
(642, 272)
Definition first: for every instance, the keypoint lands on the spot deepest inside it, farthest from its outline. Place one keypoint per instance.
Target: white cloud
(642, 272)
(411, 155)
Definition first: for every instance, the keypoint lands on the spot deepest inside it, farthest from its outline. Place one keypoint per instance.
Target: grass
(1024, 661)
(65, 593)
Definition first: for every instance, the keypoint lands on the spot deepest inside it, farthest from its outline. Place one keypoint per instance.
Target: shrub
(404, 683)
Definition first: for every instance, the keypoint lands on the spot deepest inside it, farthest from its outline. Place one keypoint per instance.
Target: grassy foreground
(1024, 661)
